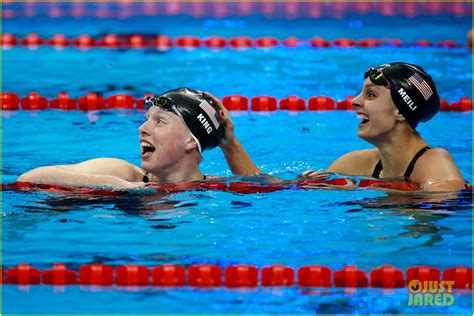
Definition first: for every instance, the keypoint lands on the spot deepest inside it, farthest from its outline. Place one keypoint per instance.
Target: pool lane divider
(239, 275)
(232, 187)
(164, 42)
(263, 103)
(233, 9)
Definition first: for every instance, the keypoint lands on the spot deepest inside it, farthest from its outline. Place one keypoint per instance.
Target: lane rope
(238, 275)
(263, 103)
(287, 10)
(164, 42)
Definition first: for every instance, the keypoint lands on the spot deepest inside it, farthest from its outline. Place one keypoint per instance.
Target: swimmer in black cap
(180, 125)
(395, 97)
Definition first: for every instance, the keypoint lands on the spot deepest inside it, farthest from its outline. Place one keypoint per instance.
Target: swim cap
(198, 111)
(413, 91)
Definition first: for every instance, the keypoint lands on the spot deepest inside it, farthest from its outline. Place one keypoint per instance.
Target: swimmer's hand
(348, 185)
(314, 175)
(237, 158)
(229, 134)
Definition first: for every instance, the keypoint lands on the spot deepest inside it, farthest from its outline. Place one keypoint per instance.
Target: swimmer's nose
(356, 101)
(142, 129)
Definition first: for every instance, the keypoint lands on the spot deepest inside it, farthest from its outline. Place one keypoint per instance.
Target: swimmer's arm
(238, 160)
(96, 172)
(354, 163)
(436, 171)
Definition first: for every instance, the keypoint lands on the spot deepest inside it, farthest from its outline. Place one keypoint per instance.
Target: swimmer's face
(376, 110)
(164, 140)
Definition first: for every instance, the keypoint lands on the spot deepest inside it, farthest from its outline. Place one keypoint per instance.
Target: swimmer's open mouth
(147, 147)
(363, 117)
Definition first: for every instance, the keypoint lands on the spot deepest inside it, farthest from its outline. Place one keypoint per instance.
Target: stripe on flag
(421, 85)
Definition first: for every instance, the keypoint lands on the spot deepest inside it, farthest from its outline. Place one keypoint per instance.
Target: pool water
(367, 228)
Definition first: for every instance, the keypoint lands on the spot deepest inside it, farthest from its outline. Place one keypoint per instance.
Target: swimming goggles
(377, 77)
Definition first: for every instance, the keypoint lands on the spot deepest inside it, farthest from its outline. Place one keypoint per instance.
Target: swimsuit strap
(377, 170)
(378, 167)
(414, 160)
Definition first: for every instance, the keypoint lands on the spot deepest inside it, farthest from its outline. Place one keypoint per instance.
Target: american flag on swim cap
(421, 85)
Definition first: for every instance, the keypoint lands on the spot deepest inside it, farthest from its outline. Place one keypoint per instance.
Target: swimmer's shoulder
(356, 163)
(436, 169)
(109, 166)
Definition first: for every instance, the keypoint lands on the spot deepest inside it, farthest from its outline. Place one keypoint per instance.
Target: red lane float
(239, 275)
(204, 275)
(241, 42)
(236, 102)
(96, 274)
(369, 42)
(350, 276)
(422, 273)
(137, 41)
(461, 276)
(84, 41)
(263, 103)
(345, 104)
(319, 42)
(387, 276)
(215, 42)
(34, 102)
(132, 274)
(423, 43)
(59, 275)
(321, 103)
(168, 275)
(278, 275)
(161, 42)
(120, 101)
(292, 103)
(291, 41)
(266, 42)
(110, 41)
(465, 104)
(314, 275)
(59, 40)
(9, 39)
(91, 102)
(345, 42)
(23, 275)
(10, 101)
(63, 102)
(188, 41)
(32, 39)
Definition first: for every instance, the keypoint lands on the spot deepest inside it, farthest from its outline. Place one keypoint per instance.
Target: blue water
(294, 227)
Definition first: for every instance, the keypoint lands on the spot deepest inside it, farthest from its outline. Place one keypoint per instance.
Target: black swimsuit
(146, 180)
(378, 167)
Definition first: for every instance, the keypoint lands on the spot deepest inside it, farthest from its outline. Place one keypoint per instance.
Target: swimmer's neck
(398, 150)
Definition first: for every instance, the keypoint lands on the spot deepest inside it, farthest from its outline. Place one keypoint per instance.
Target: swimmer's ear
(399, 115)
(191, 143)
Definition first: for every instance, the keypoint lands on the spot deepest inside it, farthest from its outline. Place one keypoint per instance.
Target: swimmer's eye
(370, 94)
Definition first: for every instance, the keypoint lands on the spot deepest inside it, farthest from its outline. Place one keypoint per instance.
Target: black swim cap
(413, 91)
(199, 112)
